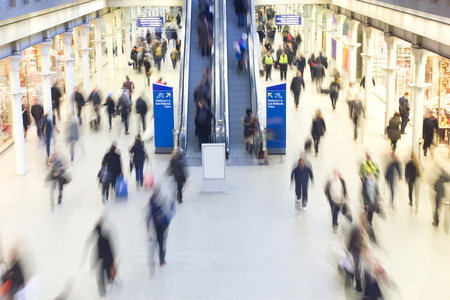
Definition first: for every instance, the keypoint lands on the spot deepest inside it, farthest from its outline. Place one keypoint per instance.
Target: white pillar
(368, 57)
(419, 86)
(313, 22)
(352, 46)
(127, 34)
(85, 58)
(44, 49)
(118, 14)
(68, 71)
(109, 18)
(133, 26)
(329, 33)
(391, 43)
(98, 42)
(16, 95)
(319, 28)
(339, 42)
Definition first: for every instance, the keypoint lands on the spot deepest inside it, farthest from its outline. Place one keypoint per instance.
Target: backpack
(403, 109)
(158, 52)
(236, 47)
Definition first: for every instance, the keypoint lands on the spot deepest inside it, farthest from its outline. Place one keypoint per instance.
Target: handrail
(224, 81)
(183, 94)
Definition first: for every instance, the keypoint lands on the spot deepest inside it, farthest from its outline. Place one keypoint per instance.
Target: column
(312, 32)
(16, 95)
(368, 57)
(339, 42)
(44, 49)
(419, 86)
(118, 14)
(329, 33)
(133, 26)
(390, 70)
(306, 35)
(109, 18)
(319, 27)
(98, 42)
(85, 58)
(127, 34)
(68, 71)
(352, 46)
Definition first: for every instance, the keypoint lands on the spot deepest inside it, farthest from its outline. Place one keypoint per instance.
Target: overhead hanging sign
(163, 118)
(276, 119)
(288, 20)
(150, 22)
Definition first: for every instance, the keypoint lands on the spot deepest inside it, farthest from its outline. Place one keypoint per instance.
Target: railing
(225, 128)
(183, 96)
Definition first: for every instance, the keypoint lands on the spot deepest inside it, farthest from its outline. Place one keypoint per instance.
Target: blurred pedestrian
(312, 65)
(403, 108)
(203, 123)
(250, 127)
(56, 99)
(124, 106)
(440, 194)
(174, 58)
(268, 46)
(164, 49)
(319, 75)
(429, 125)
(14, 278)
(335, 86)
(357, 109)
(178, 48)
(128, 85)
(300, 62)
(352, 94)
(301, 175)
(318, 129)
(79, 100)
(412, 172)
(241, 7)
(178, 20)
(47, 132)
(110, 107)
(37, 111)
(336, 192)
(148, 69)
(134, 57)
(205, 40)
(369, 165)
(139, 155)
(393, 130)
(58, 175)
(72, 136)
(371, 195)
(323, 59)
(158, 57)
(141, 110)
(94, 99)
(113, 161)
(25, 120)
(178, 167)
(261, 32)
(296, 87)
(393, 166)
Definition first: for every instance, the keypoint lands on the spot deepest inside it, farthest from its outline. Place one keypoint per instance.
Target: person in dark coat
(394, 130)
(25, 120)
(113, 162)
(393, 166)
(94, 98)
(79, 100)
(312, 64)
(412, 172)
(141, 109)
(241, 7)
(271, 34)
(279, 52)
(335, 86)
(323, 59)
(128, 85)
(429, 125)
(403, 108)
(56, 99)
(319, 75)
(110, 107)
(148, 71)
(178, 168)
(47, 132)
(300, 62)
(440, 194)
(139, 156)
(318, 129)
(133, 56)
(261, 33)
(296, 87)
(37, 111)
(301, 175)
(204, 36)
(124, 106)
(179, 21)
(57, 174)
(203, 123)
(250, 126)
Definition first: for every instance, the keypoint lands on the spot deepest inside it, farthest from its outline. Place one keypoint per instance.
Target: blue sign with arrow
(164, 119)
(276, 119)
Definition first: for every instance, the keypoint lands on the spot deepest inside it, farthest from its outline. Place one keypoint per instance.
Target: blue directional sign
(150, 22)
(288, 20)
(276, 119)
(164, 120)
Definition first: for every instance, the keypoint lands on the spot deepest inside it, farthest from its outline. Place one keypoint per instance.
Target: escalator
(239, 86)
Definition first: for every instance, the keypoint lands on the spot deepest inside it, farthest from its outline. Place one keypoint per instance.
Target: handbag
(121, 187)
(149, 178)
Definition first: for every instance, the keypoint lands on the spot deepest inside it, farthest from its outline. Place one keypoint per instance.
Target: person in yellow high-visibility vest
(268, 62)
(283, 62)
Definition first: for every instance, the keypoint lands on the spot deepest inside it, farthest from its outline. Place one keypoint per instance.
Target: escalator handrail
(224, 76)
(184, 76)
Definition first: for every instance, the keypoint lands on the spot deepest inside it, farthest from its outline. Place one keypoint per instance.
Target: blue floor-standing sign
(276, 119)
(164, 122)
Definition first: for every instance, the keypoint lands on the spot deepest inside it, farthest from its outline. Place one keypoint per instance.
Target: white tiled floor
(248, 244)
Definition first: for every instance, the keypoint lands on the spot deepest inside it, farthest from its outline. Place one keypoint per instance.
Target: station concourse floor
(247, 244)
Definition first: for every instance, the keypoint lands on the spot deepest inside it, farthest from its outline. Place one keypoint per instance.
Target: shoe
(126, 133)
(335, 230)
(59, 200)
(358, 289)
(304, 208)
(434, 224)
(162, 263)
(410, 204)
(298, 201)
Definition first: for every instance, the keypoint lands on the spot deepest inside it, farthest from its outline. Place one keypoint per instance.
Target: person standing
(357, 109)
(300, 62)
(335, 86)
(296, 87)
(110, 107)
(113, 162)
(440, 194)
(37, 111)
(393, 130)
(250, 126)
(301, 175)
(25, 120)
(429, 124)
(178, 168)
(319, 74)
(268, 62)
(56, 97)
(260, 30)
(393, 166)
(283, 62)
(141, 109)
(47, 132)
(412, 172)
(134, 57)
(139, 157)
(318, 129)
(403, 108)
(79, 100)
(336, 192)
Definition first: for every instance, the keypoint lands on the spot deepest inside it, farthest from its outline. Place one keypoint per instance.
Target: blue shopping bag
(121, 187)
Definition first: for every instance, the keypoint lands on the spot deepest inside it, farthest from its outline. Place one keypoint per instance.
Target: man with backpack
(404, 108)
(124, 106)
(203, 123)
(141, 109)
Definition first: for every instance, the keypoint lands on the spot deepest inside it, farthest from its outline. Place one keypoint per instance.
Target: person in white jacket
(352, 92)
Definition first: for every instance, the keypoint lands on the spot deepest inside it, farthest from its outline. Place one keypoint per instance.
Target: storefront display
(403, 74)
(5, 108)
